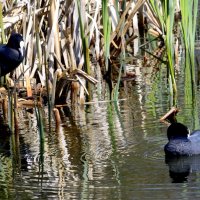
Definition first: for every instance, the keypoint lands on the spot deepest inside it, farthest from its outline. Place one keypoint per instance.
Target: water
(104, 151)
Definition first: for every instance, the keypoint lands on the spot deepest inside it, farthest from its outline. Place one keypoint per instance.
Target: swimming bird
(181, 143)
(11, 54)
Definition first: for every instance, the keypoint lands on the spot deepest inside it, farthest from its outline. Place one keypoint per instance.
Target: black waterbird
(181, 142)
(11, 54)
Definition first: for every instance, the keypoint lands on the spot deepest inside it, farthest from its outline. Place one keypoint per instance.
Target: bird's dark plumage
(11, 54)
(181, 143)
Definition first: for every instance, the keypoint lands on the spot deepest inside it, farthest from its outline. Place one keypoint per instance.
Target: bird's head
(16, 42)
(177, 130)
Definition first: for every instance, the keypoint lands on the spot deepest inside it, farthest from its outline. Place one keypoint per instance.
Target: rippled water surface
(104, 151)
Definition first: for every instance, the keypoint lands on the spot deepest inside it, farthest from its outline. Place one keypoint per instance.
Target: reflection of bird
(181, 167)
(11, 54)
(181, 142)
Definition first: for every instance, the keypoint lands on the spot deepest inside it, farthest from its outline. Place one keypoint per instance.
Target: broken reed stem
(74, 92)
(57, 116)
(29, 104)
(28, 87)
(173, 110)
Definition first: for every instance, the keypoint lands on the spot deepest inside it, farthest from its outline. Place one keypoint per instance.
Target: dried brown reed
(62, 39)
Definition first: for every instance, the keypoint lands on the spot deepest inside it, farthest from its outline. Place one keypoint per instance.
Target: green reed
(164, 11)
(42, 140)
(84, 39)
(39, 123)
(85, 43)
(189, 11)
(116, 88)
(106, 31)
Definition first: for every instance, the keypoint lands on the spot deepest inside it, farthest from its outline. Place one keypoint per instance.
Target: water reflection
(101, 151)
(181, 167)
(5, 135)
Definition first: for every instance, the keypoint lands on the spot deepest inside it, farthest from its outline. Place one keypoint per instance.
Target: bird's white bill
(21, 44)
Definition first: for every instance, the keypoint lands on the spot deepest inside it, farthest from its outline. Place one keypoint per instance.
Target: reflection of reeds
(11, 107)
(40, 124)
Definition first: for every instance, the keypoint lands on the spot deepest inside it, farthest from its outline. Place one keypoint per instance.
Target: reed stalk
(84, 39)
(41, 26)
(57, 117)
(106, 32)
(39, 123)
(189, 11)
(5, 109)
(3, 39)
(47, 83)
(38, 44)
(85, 45)
(169, 15)
(10, 110)
(53, 22)
(41, 138)
(116, 89)
(164, 12)
(15, 111)
(55, 78)
(1, 23)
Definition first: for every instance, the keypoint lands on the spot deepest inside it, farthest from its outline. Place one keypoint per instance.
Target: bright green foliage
(188, 24)
(165, 11)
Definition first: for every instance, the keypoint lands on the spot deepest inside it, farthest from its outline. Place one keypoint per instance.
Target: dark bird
(181, 143)
(11, 54)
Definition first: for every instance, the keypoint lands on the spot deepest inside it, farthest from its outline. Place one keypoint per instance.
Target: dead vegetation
(68, 51)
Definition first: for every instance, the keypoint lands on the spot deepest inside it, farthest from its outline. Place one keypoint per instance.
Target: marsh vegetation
(96, 78)
(72, 47)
